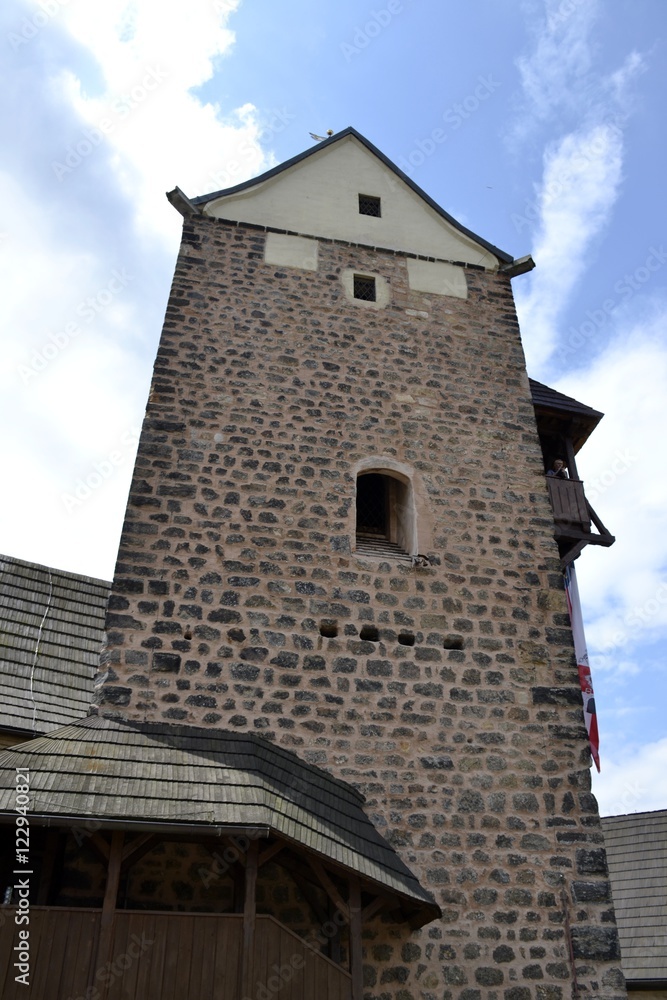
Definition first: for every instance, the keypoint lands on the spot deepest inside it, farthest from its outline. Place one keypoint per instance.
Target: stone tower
(339, 538)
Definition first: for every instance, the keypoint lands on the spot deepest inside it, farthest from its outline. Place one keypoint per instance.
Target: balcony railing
(574, 518)
(161, 956)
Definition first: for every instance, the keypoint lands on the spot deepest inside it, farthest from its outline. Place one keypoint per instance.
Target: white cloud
(633, 779)
(580, 184)
(152, 57)
(119, 81)
(581, 171)
(624, 588)
(554, 73)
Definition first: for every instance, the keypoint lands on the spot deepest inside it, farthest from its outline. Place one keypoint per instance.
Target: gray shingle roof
(51, 629)
(544, 395)
(122, 773)
(551, 405)
(637, 858)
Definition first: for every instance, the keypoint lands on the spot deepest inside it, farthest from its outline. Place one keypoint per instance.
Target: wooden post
(356, 965)
(105, 945)
(249, 911)
(569, 457)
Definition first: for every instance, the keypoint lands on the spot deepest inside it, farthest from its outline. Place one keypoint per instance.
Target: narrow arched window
(385, 514)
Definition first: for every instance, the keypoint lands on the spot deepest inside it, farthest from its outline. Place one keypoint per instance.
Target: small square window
(364, 288)
(369, 205)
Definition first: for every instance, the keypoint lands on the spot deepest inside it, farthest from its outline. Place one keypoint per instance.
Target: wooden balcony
(162, 956)
(574, 518)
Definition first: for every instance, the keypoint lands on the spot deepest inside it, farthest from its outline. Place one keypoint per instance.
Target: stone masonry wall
(270, 385)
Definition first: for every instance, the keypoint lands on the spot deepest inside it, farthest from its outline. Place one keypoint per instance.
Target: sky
(538, 124)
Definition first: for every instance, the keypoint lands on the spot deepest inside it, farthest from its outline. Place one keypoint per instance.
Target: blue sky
(539, 124)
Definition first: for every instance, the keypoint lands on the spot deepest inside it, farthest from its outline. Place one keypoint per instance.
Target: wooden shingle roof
(637, 857)
(551, 404)
(51, 629)
(152, 776)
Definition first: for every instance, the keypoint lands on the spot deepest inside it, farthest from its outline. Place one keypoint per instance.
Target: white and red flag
(581, 653)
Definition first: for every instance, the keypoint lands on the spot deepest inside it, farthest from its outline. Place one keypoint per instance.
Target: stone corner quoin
(460, 719)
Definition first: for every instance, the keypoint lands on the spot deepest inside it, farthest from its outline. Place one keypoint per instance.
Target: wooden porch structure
(261, 804)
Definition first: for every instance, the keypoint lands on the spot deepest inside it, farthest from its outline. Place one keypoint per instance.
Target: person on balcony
(559, 470)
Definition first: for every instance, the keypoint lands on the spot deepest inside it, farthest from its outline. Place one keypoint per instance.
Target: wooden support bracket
(328, 886)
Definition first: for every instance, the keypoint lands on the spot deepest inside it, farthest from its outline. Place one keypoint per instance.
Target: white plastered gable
(319, 196)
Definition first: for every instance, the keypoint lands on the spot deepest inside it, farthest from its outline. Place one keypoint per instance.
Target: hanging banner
(581, 654)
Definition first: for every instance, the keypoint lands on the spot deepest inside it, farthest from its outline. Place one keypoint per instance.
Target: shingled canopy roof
(158, 777)
(550, 403)
(51, 634)
(637, 857)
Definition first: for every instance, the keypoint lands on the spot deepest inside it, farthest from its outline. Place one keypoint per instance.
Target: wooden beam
(105, 943)
(249, 915)
(270, 852)
(356, 957)
(328, 886)
(572, 554)
(373, 908)
(100, 845)
(569, 456)
(130, 850)
(599, 525)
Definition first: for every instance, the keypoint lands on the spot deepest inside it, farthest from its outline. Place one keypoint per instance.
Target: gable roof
(636, 847)
(203, 201)
(155, 775)
(51, 632)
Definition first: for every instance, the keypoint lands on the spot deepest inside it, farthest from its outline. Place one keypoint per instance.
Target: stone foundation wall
(271, 389)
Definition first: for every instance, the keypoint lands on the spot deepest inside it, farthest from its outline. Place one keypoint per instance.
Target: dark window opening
(369, 633)
(364, 288)
(369, 205)
(372, 505)
(453, 642)
(385, 516)
(328, 629)
(406, 639)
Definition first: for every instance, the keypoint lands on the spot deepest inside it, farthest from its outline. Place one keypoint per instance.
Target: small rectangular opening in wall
(369, 205)
(364, 288)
